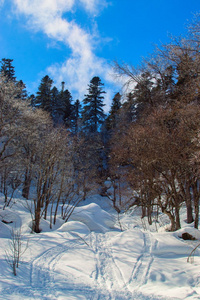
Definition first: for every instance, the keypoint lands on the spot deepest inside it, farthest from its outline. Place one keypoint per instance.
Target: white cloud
(78, 70)
(47, 16)
(93, 6)
(43, 7)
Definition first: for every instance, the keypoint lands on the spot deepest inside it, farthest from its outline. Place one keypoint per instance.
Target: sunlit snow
(89, 257)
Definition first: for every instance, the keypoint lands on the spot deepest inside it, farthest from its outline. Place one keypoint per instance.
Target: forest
(57, 150)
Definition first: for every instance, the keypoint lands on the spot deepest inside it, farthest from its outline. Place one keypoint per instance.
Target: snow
(94, 217)
(89, 257)
(75, 226)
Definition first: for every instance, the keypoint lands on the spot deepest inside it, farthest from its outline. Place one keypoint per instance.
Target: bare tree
(11, 115)
(48, 165)
(35, 124)
(157, 154)
(16, 249)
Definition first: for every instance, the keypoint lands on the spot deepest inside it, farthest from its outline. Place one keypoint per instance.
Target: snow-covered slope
(89, 257)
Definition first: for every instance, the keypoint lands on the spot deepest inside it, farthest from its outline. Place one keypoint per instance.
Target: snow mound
(75, 226)
(94, 217)
(11, 218)
(192, 231)
(176, 247)
(5, 232)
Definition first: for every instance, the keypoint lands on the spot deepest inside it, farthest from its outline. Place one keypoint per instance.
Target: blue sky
(74, 40)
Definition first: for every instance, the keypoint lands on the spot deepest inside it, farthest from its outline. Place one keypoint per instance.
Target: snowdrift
(94, 217)
(75, 226)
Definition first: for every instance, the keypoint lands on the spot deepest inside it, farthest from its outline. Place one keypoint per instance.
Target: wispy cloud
(49, 16)
(94, 6)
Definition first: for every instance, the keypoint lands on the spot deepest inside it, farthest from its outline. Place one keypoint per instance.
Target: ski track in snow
(43, 267)
(109, 283)
(108, 278)
(107, 275)
(140, 273)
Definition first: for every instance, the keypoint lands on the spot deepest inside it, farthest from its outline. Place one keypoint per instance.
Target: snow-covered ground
(91, 258)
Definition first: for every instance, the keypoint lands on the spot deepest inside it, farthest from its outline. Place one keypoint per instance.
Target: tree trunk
(171, 217)
(196, 204)
(149, 213)
(56, 211)
(190, 218)
(58, 199)
(51, 215)
(178, 223)
(27, 184)
(36, 227)
(189, 203)
(144, 211)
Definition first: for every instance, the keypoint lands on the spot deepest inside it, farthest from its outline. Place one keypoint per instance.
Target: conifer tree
(32, 100)
(93, 114)
(44, 94)
(55, 98)
(65, 106)
(129, 109)
(111, 121)
(21, 88)
(7, 69)
(75, 116)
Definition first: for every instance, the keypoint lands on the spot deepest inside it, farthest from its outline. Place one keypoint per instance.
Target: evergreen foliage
(32, 100)
(7, 70)
(44, 94)
(57, 103)
(113, 116)
(22, 92)
(55, 99)
(75, 117)
(65, 106)
(93, 114)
